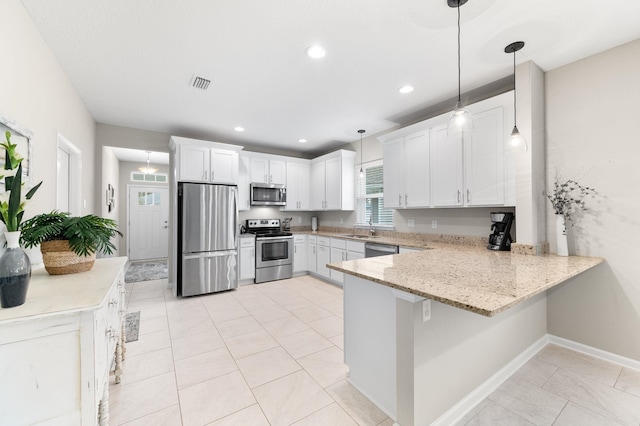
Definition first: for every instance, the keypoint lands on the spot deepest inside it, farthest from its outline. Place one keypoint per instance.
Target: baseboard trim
(466, 404)
(595, 352)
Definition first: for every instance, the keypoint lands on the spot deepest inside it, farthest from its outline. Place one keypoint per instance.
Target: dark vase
(15, 273)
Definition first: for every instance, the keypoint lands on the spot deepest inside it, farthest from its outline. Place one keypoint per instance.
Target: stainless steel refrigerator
(208, 238)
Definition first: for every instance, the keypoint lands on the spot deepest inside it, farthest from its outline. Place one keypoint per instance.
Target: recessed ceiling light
(406, 89)
(302, 140)
(238, 129)
(316, 51)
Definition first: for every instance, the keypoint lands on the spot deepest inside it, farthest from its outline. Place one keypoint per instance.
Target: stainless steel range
(274, 250)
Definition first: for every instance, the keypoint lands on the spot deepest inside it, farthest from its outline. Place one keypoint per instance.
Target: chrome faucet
(372, 230)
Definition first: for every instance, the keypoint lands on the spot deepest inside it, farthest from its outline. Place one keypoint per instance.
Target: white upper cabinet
(298, 185)
(203, 161)
(268, 170)
(318, 183)
(194, 163)
(224, 166)
(446, 168)
(244, 201)
(424, 166)
(484, 169)
(406, 171)
(332, 181)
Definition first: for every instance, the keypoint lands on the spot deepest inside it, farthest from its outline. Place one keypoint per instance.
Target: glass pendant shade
(460, 122)
(148, 170)
(517, 142)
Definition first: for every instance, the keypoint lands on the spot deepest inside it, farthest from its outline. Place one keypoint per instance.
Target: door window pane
(148, 198)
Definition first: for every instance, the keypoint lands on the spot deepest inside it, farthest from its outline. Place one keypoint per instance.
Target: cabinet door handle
(212, 174)
(399, 199)
(468, 196)
(406, 200)
(205, 174)
(458, 196)
(270, 178)
(295, 249)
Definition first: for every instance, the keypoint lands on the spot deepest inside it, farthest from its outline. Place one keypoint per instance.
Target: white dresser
(56, 350)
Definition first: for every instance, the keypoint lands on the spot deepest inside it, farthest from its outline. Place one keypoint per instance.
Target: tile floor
(271, 354)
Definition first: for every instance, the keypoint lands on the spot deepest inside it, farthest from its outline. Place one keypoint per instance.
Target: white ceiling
(133, 61)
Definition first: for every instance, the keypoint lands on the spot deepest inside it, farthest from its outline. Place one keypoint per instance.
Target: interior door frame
(75, 175)
(130, 186)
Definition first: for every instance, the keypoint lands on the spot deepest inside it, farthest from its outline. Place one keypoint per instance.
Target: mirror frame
(22, 136)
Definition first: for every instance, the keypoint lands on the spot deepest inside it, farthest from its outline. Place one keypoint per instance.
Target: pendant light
(148, 170)
(517, 142)
(361, 131)
(461, 120)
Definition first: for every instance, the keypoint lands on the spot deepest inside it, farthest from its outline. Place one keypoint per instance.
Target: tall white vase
(562, 248)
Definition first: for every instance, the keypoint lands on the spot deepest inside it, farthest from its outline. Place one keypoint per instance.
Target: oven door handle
(274, 239)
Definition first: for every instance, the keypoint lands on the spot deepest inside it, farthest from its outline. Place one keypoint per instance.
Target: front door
(148, 222)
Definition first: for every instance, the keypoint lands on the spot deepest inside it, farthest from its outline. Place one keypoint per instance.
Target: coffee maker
(500, 238)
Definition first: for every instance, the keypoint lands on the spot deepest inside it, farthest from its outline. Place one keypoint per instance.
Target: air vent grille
(200, 83)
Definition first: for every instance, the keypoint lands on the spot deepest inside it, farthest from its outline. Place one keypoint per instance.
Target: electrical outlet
(411, 223)
(434, 224)
(426, 310)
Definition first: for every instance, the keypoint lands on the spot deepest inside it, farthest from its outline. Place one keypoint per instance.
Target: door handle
(165, 227)
(406, 200)
(399, 200)
(468, 196)
(458, 196)
(270, 178)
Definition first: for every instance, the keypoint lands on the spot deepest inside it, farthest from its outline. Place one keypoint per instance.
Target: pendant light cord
(459, 51)
(514, 90)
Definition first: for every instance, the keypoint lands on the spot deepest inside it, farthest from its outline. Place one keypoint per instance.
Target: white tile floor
(271, 354)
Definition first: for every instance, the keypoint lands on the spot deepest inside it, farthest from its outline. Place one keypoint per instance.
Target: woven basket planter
(59, 259)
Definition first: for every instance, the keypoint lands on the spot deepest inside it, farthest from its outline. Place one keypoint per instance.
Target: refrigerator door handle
(209, 254)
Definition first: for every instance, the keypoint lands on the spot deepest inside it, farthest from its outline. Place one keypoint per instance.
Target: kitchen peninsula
(424, 330)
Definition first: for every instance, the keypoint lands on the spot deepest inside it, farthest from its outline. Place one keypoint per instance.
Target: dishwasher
(374, 250)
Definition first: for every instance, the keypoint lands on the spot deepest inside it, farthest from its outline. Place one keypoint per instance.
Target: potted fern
(69, 244)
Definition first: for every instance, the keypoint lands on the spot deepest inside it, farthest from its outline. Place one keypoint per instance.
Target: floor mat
(146, 271)
(132, 326)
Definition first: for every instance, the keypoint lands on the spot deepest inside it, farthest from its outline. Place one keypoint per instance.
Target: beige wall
(35, 92)
(592, 109)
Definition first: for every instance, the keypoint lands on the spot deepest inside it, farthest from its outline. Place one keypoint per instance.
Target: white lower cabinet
(247, 257)
(312, 253)
(355, 250)
(338, 254)
(299, 253)
(57, 348)
(324, 256)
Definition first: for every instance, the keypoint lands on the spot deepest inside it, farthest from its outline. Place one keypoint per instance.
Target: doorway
(148, 222)
(68, 177)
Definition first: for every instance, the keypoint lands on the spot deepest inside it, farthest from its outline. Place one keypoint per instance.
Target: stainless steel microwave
(268, 194)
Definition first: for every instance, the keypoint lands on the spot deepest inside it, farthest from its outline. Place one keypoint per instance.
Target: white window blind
(370, 196)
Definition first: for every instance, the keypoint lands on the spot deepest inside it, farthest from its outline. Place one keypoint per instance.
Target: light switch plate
(434, 224)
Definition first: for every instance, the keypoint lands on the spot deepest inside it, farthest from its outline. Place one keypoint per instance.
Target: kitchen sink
(360, 236)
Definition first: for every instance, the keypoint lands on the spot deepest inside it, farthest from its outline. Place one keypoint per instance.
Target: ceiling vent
(200, 83)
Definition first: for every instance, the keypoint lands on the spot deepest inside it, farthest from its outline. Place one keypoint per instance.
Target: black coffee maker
(500, 238)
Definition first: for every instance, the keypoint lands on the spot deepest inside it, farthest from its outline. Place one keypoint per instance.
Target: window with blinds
(370, 196)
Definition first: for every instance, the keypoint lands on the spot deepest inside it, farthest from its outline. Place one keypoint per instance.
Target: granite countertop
(398, 239)
(470, 278)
